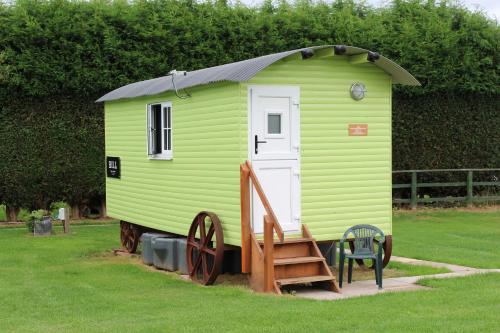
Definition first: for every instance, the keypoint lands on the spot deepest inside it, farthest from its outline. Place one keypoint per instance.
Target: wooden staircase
(274, 263)
(298, 261)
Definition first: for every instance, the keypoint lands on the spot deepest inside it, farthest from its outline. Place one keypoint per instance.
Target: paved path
(368, 287)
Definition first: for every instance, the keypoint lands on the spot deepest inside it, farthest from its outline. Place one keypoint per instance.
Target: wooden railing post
(413, 199)
(268, 254)
(246, 246)
(470, 193)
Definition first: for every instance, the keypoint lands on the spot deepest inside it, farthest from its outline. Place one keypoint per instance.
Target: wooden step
(289, 241)
(304, 279)
(296, 260)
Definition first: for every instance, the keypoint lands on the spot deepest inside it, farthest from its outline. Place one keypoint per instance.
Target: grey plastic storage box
(147, 250)
(329, 251)
(165, 253)
(181, 256)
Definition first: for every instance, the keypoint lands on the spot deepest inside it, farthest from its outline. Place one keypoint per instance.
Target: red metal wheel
(130, 235)
(387, 252)
(205, 248)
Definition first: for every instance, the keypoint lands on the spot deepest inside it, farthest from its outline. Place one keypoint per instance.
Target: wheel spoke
(203, 232)
(208, 237)
(209, 251)
(206, 272)
(194, 244)
(196, 265)
(210, 233)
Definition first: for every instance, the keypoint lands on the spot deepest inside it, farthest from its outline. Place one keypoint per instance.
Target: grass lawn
(470, 238)
(71, 284)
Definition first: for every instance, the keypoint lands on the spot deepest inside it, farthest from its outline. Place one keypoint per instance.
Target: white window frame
(165, 154)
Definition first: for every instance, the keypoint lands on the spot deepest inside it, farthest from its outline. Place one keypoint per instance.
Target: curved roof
(244, 70)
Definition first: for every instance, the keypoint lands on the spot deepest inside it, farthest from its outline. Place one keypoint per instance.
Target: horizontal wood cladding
(346, 180)
(204, 172)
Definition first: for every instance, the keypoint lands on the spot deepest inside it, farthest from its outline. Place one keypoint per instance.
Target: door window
(274, 123)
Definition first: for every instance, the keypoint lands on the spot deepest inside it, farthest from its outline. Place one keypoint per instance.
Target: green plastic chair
(364, 234)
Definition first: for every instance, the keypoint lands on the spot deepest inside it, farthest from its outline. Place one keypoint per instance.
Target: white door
(274, 144)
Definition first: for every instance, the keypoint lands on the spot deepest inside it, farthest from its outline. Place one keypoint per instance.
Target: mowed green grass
(71, 284)
(470, 238)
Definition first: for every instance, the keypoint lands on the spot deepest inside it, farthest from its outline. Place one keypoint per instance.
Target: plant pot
(42, 227)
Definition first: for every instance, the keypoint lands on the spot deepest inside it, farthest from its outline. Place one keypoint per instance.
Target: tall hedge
(62, 47)
(52, 149)
(56, 56)
(446, 131)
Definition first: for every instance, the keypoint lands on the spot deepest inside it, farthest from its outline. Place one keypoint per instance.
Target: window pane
(274, 123)
(169, 136)
(166, 138)
(167, 117)
(157, 128)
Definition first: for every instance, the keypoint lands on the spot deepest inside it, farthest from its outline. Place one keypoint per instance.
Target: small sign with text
(113, 167)
(358, 129)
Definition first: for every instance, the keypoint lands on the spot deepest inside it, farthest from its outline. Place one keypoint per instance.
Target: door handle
(257, 144)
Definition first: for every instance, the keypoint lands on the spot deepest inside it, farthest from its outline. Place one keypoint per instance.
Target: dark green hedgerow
(51, 149)
(53, 47)
(446, 131)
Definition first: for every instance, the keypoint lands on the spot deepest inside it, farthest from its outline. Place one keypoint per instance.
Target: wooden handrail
(246, 174)
(265, 202)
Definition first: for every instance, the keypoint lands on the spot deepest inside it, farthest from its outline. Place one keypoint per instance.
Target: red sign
(358, 129)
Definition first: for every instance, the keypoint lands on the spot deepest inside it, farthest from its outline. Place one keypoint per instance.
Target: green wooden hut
(302, 137)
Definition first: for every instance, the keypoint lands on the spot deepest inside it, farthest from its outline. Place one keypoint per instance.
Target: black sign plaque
(113, 167)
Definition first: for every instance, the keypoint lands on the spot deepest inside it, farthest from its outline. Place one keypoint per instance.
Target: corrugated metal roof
(244, 71)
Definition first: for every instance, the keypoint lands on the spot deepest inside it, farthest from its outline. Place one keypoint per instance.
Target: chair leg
(341, 269)
(380, 268)
(377, 281)
(349, 270)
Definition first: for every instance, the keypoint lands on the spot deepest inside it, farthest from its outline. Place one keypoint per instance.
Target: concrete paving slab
(356, 289)
(399, 284)
(418, 262)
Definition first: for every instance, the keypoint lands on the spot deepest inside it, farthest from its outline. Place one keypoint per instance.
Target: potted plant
(39, 222)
